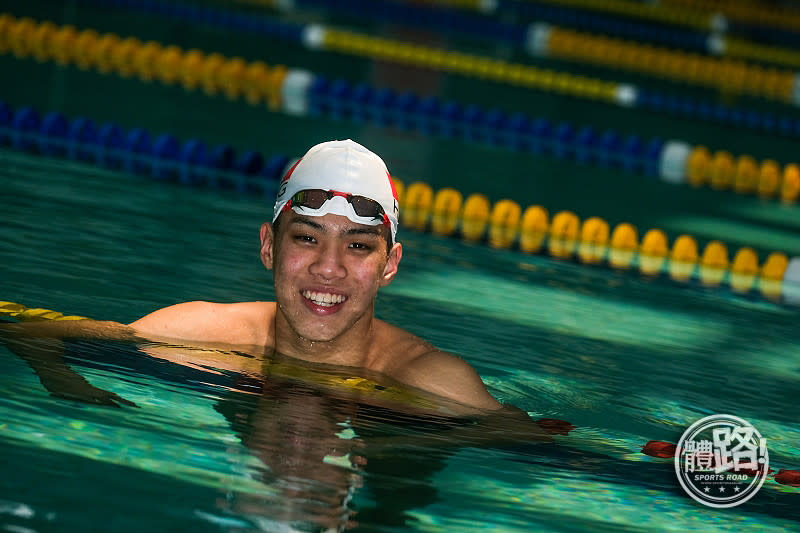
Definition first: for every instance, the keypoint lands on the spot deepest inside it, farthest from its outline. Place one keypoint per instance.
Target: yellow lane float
(593, 240)
(653, 252)
(504, 221)
(474, 217)
(534, 228)
(683, 258)
(624, 243)
(446, 211)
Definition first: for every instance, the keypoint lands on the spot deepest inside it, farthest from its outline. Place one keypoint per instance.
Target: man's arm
(40, 345)
(68, 329)
(451, 377)
(189, 321)
(502, 427)
(240, 323)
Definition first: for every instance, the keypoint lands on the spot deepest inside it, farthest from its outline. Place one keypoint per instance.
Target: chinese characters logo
(721, 461)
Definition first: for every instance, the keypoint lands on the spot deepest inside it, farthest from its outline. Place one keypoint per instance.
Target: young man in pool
(331, 246)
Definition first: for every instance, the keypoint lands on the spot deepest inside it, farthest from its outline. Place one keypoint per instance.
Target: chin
(319, 329)
(317, 336)
(315, 333)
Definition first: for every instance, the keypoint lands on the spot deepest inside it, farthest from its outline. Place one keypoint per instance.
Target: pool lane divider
(769, 83)
(300, 92)
(502, 225)
(741, 16)
(592, 241)
(138, 151)
(24, 37)
(539, 39)
(25, 314)
(528, 36)
(770, 24)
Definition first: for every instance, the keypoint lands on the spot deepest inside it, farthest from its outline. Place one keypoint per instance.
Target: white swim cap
(345, 168)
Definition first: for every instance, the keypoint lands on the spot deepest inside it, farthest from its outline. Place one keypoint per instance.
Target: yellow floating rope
(728, 75)
(470, 65)
(25, 314)
(505, 224)
(129, 57)
(748, 12)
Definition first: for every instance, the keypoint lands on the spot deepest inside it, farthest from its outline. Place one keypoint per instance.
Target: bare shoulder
(238, 323)
(420, 364)
(397, 346)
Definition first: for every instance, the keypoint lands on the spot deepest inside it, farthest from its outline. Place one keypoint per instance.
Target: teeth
(325, 299)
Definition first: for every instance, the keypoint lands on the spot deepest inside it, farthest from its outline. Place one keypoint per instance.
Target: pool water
(624, 359)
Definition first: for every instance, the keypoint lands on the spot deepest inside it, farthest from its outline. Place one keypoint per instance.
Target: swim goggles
(316, 198)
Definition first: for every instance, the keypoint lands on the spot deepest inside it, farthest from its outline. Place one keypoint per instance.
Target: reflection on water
(309, 457)
(315, 434)
(279, 445)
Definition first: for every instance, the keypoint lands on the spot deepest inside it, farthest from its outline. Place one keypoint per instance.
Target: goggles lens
(315, 198)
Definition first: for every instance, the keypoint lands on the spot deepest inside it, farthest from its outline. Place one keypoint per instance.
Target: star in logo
(736, 489)
(707, 489)
(722, 489)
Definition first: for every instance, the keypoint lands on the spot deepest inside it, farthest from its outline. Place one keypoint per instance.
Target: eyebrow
(367, 230)
(306, 222)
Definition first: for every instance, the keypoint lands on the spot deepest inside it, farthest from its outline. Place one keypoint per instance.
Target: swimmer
(331, 244)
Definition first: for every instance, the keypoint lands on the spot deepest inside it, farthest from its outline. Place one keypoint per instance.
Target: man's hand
(79, 390)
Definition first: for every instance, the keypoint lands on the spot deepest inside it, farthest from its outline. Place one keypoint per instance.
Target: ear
(267, 244)
(389, 271)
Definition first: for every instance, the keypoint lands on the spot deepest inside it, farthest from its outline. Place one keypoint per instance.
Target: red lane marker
(788, 477)
(555, 426)
(659, 448)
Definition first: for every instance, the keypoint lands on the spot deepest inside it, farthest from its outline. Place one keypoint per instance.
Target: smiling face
(327, 272)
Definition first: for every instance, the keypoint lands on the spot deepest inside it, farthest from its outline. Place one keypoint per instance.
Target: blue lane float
(54, 128)
(24, 122)
(110, 139)
(473, 124)
(192, 154)
(138, 151)
(82, 132)
(165, 151)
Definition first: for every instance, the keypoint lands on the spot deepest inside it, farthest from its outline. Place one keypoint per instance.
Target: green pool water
(624, 359)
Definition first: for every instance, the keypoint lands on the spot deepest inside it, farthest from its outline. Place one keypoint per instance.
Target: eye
(360, 246)
(304, 238)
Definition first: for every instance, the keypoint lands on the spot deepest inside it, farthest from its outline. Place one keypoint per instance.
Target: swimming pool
(625, 359)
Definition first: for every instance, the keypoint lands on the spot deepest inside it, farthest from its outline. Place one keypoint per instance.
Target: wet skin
(326, 258)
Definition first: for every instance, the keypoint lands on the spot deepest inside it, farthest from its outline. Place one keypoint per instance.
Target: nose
(328, 263)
